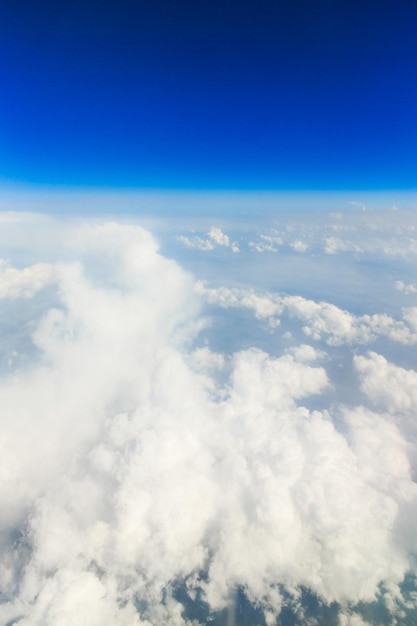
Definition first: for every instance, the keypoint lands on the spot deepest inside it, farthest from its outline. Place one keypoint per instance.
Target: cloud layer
(319, 320)
(135, 461)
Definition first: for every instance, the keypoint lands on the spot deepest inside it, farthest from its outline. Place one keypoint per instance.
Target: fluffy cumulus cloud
(24, 283)
(319, 320)
(148, 479)
(267, 243)
(299, 245)
(407, 289)
(334, 245)
(354, 234)
(215, 237)
(386, 384)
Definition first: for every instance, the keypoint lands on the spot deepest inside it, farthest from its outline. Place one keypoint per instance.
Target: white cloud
(124, 474)
(205, 359)
(334, 244)
(263, 306)
(320, 320)
(371, 234)
(410, 316)
(197, 243)
(216, 237)
(219, 237)
(299, 246)
(267, 243)
(387, 385)
(351, 619)
(306, 354)
(383, 246)
(24, 283)
(404, 288)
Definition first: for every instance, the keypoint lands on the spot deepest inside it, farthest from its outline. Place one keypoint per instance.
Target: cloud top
(135, 460)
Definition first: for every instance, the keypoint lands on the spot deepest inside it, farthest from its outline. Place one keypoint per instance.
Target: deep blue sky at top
(258, 94)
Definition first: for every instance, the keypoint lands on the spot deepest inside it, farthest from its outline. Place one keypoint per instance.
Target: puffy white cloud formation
(334, 245)
(407, 289)
(267, 243)
(24, 283)
(197, 242)
(392, 389)
(219, 236)
(389, 235)
(126, 469)
(216, 237)
(386, 384)
(320, 320)
(299, 246)
(358, 235)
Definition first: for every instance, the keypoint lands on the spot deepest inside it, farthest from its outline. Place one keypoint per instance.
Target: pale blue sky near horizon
(176, 203)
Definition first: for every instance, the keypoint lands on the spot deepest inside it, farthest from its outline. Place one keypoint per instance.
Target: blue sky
(209, 95)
